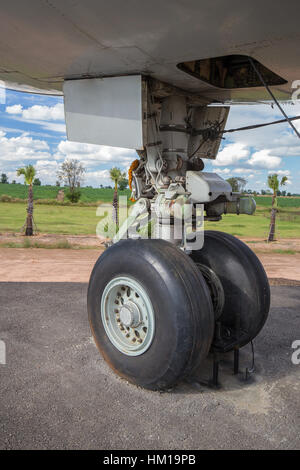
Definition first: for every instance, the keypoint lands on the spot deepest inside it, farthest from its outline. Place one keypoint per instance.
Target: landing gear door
(106, 111)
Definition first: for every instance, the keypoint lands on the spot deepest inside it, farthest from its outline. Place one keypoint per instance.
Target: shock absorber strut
(174, 135)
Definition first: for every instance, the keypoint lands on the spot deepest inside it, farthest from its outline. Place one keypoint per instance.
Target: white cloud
(263, 159)
(46, 170)
(231, 154)
(52, 126)
(46, 165)
(281, 172)
(239, 154)
(92, 155)
(15, 109)
(223, 171)
(99, 174)
(241, 171)
(43, 116)
(95, 178)
(279, 137)
(247, 173)
(22, 148)
(38, 112)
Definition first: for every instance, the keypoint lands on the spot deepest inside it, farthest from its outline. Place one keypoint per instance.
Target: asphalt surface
(56, 391)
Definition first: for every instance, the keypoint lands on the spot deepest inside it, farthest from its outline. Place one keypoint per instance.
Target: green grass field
(20, 191)
(50, 219)
(257, 225)
(283, 202)
(75, 219)
(83, 220)
(89, 194)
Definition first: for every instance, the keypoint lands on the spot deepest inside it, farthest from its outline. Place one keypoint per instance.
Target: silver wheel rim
(127, 315)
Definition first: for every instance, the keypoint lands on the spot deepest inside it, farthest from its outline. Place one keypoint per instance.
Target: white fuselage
(44, 42)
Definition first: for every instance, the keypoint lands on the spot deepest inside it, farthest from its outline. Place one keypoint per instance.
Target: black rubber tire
(184, 319)
(243, 278)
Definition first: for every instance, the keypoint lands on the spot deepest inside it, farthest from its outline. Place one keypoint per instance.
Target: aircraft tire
(245, 284)
(150, 312)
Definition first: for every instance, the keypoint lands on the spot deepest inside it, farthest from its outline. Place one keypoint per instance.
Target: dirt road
(59, 265)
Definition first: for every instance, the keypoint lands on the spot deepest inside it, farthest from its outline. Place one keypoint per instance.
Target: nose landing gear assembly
(156, 306)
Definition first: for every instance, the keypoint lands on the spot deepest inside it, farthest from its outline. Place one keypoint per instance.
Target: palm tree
(29, 173)
(274, 183)
(116, 176)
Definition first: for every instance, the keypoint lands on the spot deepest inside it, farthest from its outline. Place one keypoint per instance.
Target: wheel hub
(130, 315)
(127, 315)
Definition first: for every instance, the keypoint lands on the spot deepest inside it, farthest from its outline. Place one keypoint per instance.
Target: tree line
(237, 184)
(71, 174)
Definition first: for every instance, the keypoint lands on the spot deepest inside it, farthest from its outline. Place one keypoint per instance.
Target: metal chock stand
(226, 341)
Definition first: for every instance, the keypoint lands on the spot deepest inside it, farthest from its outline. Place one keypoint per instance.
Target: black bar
(236, 363)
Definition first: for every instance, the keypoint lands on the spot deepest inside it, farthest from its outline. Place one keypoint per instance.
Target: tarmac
(56, 391)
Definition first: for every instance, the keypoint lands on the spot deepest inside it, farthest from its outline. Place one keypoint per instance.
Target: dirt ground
(258, 245)
(76, 241)
(67, 265)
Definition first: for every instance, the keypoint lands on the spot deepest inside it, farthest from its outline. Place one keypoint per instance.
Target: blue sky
(32, 130)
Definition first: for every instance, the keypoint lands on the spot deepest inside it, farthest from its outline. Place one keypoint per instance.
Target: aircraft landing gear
(156, 308)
